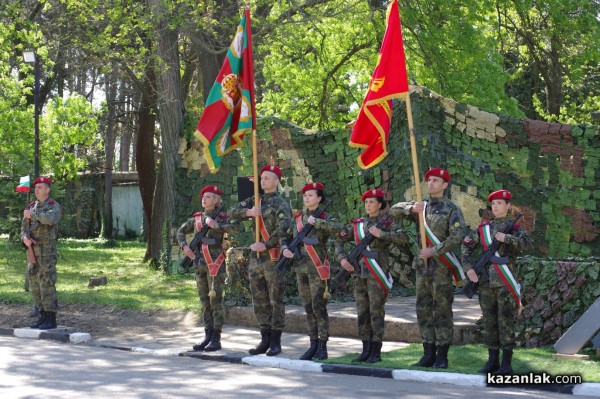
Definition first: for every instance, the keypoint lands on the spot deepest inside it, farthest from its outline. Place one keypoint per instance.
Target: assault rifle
(30, 254)
(488, 256)
(342, 277)
(199, 238)
(284, 263)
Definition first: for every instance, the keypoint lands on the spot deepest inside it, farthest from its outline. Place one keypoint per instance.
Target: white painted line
(143, 350)
(282, 363)
(78, 338)
(587, 388)
(466, 380)
(27, 333)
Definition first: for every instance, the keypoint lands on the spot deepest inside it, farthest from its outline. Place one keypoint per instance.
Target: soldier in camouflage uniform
(209, 266)
(40, 229)
(499, 296)
(267, 284)
(313, 269)
(372, 281)
(436, 266)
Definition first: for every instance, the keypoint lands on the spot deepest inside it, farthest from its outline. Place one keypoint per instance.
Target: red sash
(198, 216)
(274, 252)
(213, 267)
(322, 267)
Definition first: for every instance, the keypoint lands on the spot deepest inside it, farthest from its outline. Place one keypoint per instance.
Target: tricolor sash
(447, 258)
(213, 267)
(322, 267)
(383, 279)
(273, 252)
(503, 271)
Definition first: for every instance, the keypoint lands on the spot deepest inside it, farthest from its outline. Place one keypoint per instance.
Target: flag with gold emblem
(389, 80)
(229, 110)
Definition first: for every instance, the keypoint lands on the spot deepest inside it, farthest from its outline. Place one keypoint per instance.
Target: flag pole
(415, 163)
(254, 135)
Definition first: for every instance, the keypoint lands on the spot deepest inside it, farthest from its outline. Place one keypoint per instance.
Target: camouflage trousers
(267, 286)
(213, 314)
(435, 294)
(498, 307)
(311, 289)
(370, 309)
(42, 283)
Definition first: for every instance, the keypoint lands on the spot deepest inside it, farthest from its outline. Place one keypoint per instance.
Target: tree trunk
(126, 133)
(554, 83)
(109, 149)
(144, 153)
(171, 117)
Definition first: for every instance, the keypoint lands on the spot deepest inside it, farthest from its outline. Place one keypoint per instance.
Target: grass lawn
(132, 284)
(468, 359)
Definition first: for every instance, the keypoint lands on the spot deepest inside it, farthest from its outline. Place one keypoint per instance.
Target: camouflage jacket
(326, 226)
(224, 226)
(515, 242)
(276, 213)
(391, 232)
(43, 227)
(444, 218)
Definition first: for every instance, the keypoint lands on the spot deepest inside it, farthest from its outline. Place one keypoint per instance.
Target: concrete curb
(457, 379)
(59, 334)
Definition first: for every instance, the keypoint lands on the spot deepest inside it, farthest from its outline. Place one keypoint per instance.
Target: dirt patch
(101, 321)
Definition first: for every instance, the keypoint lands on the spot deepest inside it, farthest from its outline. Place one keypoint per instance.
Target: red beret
(500, 194)
(211, 189)
(439, 172)
(42, 179)
(272, 169)
(374, 192)
(313, 186)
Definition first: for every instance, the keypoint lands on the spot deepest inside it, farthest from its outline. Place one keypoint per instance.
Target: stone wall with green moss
(551, 169)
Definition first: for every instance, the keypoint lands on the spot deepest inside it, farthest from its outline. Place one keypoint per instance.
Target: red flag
(229, 111)
(389, 80)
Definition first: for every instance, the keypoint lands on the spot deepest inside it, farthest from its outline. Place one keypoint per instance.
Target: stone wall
(551, 169)
(82, 201)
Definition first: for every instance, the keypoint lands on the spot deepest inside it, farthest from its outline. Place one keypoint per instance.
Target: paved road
(47, 369)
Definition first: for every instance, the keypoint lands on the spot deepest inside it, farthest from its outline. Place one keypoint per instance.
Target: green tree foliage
(451, 48)
(552, 50)
(316, 65)
(71, 133)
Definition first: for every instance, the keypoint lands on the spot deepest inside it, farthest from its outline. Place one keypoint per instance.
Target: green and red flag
(229, 111)
(372, 127)
(24, 185)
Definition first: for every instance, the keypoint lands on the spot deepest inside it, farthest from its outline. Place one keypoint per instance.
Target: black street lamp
(31, 57)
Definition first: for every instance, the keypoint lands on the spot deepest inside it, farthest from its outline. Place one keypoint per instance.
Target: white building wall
(127, 207)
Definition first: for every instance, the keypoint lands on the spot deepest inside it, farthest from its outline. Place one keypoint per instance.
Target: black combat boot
(207, 334)
(40, 321)
(314, 345)
(322, 350)
(428, 357)
(506, 366)
(375, 355)
(50, 321)
(441, 359)
(365, 352)
(263, 345)
(215, 342)
(275, 344)
(492, 364)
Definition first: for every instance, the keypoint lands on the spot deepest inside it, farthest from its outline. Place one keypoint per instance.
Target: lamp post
(30, 57)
